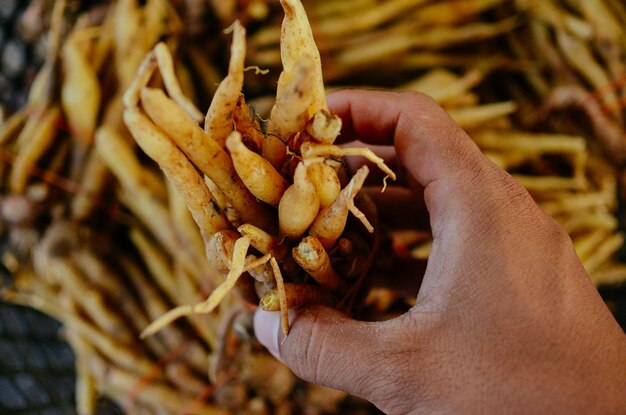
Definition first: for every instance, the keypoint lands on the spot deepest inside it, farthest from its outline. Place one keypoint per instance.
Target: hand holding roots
(73, 183)
(244, 178)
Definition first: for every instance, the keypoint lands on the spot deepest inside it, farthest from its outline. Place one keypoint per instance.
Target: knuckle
(498, 206)
(555, 232)
(309, 347)
(503, 197)
(300, 346)
(469, 157)
(418, 99)
(517, 197)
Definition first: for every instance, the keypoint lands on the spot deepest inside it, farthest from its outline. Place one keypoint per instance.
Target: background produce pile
(540, 85)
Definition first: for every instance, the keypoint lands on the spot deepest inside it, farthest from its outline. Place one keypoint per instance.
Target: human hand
(506, 319)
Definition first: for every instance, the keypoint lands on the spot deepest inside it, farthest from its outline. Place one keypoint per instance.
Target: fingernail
(267, 330)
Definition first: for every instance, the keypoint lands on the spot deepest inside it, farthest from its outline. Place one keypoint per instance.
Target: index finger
(365, 115)
(429, 143)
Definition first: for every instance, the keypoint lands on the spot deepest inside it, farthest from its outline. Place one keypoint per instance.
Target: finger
(371, 122)
(412, 122)
(328, 348)
(387, 153)
(467, 196)
(432, 147)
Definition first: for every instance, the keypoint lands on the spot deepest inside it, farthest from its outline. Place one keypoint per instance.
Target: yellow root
(219, 250)
(166, 68)
(330, 222)
(326, 182)
(206, 154)
(264, 242)
(92, 183)
(282, 296)
(33, 149)
(259, 176)
(218, 122)
(179, 170)
(10, 127)
(80, 92)
(477, 116)
(311, 150)
(324, 127)
(186, 229)
(248, 126)
(237, 268)
(299, 205)
(292, 110)
(298, 45)
(313, 258)
(297, 295)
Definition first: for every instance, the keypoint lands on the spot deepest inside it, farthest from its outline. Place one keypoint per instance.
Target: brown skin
(506, 320)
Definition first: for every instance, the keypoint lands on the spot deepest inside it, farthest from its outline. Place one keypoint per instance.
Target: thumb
(328, 348)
